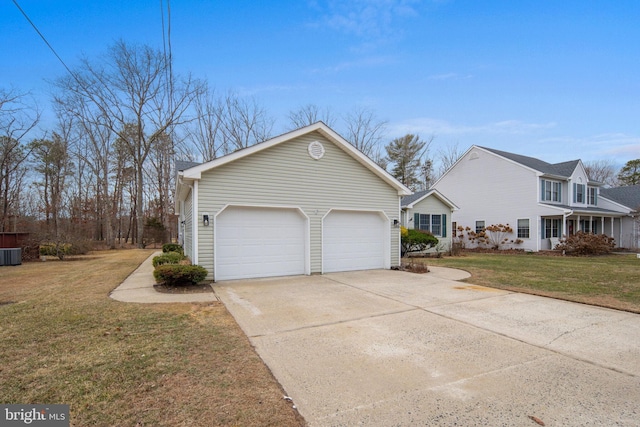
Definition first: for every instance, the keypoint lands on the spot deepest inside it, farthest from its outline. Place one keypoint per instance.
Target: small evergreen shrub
(172, 247)
(416, 241)
(583, 243)
(174, 274)
(167, 258)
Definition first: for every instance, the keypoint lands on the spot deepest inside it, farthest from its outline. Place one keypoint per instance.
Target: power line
(44, 39)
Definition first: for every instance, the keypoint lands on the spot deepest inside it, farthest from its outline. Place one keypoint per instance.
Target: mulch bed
(184, 289)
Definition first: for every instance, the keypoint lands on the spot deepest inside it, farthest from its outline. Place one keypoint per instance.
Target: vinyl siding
(494, 190)
(285, 175)
(432, 205)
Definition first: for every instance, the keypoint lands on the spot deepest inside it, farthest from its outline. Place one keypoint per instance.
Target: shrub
(416, 241)
(495, 236)
(172, 247)
(583, 243)
(167, 258)
(174, 274)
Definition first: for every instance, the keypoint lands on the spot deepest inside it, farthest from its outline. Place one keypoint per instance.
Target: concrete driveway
(389, 348)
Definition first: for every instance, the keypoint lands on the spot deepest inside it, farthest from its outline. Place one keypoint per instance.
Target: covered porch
(596, 221)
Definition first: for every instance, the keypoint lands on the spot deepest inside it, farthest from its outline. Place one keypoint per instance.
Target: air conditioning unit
(10, 256)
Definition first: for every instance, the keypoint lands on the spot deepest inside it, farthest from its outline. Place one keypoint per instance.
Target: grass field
(610, 281)
(65, 341)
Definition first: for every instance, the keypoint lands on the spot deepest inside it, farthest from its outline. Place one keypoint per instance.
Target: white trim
(387, 235)
(434, 193)
(307, 237)
(194, 223)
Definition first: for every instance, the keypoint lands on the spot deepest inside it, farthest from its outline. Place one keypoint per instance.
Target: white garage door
(354, 240)
(259, 242)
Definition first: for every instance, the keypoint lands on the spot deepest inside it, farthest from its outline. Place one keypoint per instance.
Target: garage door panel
(259, 242)
(354, 240)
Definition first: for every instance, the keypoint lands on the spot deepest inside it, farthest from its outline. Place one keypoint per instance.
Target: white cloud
(370, 61)
(450, 76)
(617, 145)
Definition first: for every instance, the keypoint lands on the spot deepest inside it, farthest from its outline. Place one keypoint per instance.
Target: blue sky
(558, 80)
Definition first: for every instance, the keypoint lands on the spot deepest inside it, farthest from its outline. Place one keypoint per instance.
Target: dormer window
(578, 193)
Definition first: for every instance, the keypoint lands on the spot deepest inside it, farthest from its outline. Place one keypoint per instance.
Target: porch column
(602, 222)
(612, 219)
(578, 224)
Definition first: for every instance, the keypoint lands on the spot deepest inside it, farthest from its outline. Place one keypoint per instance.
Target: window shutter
(416, 221)
(542, 187)
(560, 193)
(595, 197)
(444, 225)
(575, 192)
(542, 223)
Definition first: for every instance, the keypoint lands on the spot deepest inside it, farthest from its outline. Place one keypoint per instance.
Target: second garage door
(354, 240)
(259, 242)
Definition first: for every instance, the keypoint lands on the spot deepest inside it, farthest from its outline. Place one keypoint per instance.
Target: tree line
(104, 172)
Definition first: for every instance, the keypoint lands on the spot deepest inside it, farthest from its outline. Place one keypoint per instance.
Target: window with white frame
(479, 226)
(551, 191)
(592, 196)
(523, 228)
(436, 224)
(578, 193)
(552, 228)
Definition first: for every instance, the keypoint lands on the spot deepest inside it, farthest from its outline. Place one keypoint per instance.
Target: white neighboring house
(429, 210)
(301, 203)
(541, 201)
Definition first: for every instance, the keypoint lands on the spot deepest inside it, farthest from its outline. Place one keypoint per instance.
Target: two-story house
(541, 201)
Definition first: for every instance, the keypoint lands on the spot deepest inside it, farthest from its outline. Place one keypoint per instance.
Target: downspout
(194, 222)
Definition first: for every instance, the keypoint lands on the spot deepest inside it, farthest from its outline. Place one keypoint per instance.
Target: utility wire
(44, 39)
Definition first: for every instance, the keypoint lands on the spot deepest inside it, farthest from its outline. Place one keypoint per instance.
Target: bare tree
(53, 165)
(18, 118)
(447, 157)
(310, 114)
(244, 122)
(364, 130)
(602, 171)
(135, 96)
(205, 132)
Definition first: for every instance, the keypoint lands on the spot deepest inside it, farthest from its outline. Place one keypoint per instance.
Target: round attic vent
(316, 150)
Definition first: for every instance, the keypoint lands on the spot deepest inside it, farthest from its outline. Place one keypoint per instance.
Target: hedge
(167, 258)
(173, 274)
(172, 247)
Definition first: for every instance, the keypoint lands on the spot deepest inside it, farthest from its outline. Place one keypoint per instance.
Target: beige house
(304, 202)
(430, 211)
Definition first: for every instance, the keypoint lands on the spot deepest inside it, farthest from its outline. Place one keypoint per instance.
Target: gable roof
(564, 169)
(628, 196)
(183, 164)
(412, 199)
(195, 172)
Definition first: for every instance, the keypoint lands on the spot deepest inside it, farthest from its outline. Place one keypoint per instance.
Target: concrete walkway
(391, 348)
(138, 287)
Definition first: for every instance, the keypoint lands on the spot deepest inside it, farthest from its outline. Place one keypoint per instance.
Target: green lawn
(65, 341)
(609, 281)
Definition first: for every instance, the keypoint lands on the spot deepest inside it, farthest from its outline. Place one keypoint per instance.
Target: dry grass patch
(117, 364)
